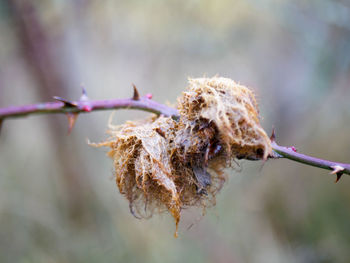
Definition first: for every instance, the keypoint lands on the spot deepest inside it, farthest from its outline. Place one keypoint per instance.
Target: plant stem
(146, 104)
(142, 103)
(289, 153)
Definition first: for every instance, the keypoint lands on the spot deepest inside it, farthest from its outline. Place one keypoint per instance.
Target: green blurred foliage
(58, 199)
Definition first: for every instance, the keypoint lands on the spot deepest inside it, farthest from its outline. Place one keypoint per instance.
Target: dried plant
(176, 159)
(162, 164)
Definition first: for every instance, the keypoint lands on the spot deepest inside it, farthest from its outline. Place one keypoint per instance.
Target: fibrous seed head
(162, 164)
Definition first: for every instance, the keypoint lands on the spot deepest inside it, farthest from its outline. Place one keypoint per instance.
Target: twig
(291, 153)
(83, 106)
(72, 108)
(335, 167)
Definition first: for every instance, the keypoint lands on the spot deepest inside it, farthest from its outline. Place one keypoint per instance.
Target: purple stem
(289, 153)
(141, 103)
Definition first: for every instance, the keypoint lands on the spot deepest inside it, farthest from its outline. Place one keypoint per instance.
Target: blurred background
(58, 198)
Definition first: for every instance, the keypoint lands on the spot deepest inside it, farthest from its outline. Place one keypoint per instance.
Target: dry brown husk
(162, 164)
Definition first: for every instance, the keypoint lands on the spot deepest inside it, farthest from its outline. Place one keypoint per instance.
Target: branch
(84, 105)
(291, 153)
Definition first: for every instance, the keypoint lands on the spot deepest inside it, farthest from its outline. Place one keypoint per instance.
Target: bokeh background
(58, 199)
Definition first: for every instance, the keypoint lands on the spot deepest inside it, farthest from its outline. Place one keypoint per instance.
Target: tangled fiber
(162, 164)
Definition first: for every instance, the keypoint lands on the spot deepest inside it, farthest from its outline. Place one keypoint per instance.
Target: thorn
(338, 170)
(84, 91)
(338, 177)
(67, 103)
(85, 104)
(72, 118)
(136, 95)
(84, 96)
(149, 96)
(273, 135)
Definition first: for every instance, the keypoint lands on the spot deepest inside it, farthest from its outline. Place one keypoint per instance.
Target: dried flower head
(232, 109)
(162, 164)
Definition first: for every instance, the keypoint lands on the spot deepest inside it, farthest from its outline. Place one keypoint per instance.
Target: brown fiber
(163, 164)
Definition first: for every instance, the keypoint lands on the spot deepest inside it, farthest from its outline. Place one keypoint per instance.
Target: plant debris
(162, 164)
